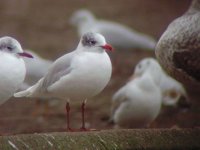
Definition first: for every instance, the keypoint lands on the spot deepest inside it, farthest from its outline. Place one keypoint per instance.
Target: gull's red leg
(68, 122)
(83, 115)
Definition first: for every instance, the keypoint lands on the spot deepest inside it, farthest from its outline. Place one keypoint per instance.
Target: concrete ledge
(106, 140)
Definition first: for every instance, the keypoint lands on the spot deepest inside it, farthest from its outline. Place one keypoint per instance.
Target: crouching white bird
(12, 67)
(35, 69)
(116, 34)
(78, 75)
(138, 103)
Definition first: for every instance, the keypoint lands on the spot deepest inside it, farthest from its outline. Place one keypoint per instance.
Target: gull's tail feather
(30, 92)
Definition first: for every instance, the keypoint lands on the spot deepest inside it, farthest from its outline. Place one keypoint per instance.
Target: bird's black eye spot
(9, 48)
(92, 42)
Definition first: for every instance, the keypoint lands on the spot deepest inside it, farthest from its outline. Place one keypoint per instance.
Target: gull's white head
(12, 46)
(151, 66)
(81, 16)
(94, 42)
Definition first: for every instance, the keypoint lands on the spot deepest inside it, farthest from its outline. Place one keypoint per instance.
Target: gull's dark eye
(92, 42)
(9, 48)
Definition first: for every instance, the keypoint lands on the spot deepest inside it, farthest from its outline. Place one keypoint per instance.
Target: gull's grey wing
(59, 68)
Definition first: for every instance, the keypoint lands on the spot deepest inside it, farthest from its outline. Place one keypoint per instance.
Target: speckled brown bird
(178, 49)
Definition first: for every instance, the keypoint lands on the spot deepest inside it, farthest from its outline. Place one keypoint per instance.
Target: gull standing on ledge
(116, 34)
(12, 67)
(78, 75)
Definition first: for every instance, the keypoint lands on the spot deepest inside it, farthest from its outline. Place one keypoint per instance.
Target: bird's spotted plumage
(178, 48)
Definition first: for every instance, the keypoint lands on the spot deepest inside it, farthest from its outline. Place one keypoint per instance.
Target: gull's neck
(79, 47)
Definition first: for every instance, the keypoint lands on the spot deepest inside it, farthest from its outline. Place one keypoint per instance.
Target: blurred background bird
(138, 103)
(130, 102)
(120, 36)
(171, 89)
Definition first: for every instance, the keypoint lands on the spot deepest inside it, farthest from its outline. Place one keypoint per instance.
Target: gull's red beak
(24, 54)
(107, 47)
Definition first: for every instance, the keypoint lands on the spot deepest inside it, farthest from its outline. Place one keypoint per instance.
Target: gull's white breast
(12, 74)
(90, 74)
